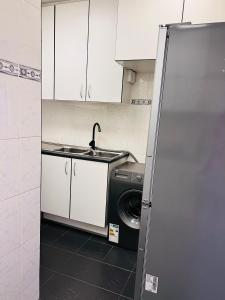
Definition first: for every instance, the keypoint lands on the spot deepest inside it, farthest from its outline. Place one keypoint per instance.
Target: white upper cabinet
(48, 52)
(71, 32)
(138, 26)
(204, 11)
(104, 80)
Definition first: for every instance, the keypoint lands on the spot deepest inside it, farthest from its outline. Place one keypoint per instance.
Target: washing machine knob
(139, 178)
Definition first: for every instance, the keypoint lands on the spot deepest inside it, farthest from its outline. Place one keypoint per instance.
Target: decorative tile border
(141, 101)
(14, 69)
(9, 67)
(30, 73)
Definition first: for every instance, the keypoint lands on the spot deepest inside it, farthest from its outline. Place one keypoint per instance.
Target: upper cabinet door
(48, 52)
(71, 32)
(204, 11)
(104, 81)
(138, 26)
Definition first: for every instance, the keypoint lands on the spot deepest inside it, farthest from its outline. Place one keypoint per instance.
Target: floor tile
(95, 250)
(45, 275)
(95, 272)
(81, 266)
(72, 240)
(100, 239)
(60, 287)
(129, 289)
(54, 258)
(122, 258)
(50, 232)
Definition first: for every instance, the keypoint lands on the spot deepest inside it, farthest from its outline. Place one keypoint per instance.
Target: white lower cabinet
(75, 189)
(55, 188)
(89, 192)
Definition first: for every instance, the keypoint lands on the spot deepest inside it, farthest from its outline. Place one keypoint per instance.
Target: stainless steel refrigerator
(182, 239)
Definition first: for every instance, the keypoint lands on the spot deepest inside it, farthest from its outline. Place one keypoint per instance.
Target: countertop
(51, 148)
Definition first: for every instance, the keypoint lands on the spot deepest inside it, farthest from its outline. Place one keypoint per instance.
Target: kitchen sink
(103, 154)
(72, 150)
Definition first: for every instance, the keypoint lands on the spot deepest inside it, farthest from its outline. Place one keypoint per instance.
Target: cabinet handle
(81, 91)
(89, 91)
(66, 170)
(74, 169)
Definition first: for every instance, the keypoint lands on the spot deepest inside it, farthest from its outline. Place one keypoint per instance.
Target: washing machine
(124, 206)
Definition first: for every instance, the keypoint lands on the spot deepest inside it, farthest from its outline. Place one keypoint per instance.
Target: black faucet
(92, 143)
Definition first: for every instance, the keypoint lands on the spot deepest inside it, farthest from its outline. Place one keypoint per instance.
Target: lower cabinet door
(89, 192)
(55, 188)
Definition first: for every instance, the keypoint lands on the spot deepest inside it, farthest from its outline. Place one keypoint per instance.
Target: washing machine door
(129, 208)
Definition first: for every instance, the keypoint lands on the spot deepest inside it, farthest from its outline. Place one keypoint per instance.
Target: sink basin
(72, 150)
(102, 154)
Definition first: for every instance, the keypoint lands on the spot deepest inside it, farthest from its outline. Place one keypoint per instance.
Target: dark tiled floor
(81, 266)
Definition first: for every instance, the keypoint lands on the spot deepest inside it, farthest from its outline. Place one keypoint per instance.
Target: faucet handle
(92, 144)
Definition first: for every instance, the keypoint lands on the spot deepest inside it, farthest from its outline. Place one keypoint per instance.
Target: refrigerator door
(149, 164)
(185, 244)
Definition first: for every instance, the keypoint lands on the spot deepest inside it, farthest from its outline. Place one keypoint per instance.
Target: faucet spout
(92, 143)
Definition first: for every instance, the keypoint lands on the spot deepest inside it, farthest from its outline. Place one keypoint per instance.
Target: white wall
(20, 130)
(123, 126)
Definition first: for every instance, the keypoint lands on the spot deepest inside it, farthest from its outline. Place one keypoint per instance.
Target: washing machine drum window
(129, 208)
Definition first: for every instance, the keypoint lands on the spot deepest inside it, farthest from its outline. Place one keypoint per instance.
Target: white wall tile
(30, 263)
(9, 107)
(35, 3)
(10, 171)
(30, 149)
(9, 36)
(20, 107)
(10, 224)
(10, 276)
(31, 292)
(20, 39)
(20, 115)
(30, 110)
(30, 215)
(29, 46)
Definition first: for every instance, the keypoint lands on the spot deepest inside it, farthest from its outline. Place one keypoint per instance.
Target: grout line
(87, 257)
(125, 285)
(134, 267)
(108, 253)
(83, 281)
(58, 248)
(103, 262)
(58, 238)
(97, 240)
(63, 249)
(20, 194)
(82, 245)
(52, 275)
(20, 137)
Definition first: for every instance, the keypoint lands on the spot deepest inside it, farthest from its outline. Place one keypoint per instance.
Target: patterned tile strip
(9, 67)
(14, 69)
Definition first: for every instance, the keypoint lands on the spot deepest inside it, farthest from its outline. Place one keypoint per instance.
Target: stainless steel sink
(88, 153)
(102, 154)
(72, 150)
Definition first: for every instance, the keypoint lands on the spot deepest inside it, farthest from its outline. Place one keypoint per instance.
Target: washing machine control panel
(137, 178)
